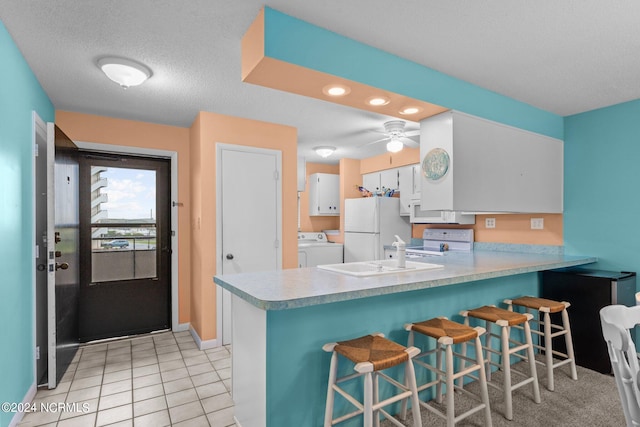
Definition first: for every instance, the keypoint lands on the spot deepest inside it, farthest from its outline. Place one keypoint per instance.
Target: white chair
(616, 322)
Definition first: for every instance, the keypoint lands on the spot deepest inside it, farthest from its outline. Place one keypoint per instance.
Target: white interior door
(249, 217)
(51, 260)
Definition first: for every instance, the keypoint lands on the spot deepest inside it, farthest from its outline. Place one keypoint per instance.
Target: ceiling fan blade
(412, 133)
(409, 142)
(375, 142)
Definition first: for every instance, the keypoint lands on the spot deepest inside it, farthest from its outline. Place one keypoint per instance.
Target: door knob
(229, 256)
(62, 265)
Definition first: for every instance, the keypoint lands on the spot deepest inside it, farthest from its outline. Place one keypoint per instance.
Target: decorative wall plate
(435, 164)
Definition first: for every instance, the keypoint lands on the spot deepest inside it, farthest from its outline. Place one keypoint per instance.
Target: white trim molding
(28, 398)
(203, 345)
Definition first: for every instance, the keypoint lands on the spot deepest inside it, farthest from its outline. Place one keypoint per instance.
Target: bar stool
(547, 306)
(505, 319)
(372, 354)
(448, 333)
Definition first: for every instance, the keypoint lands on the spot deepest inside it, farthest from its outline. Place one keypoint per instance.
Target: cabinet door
(406, 185)
(416, 173)
(389, 179)
(371, 181)
(324, 195)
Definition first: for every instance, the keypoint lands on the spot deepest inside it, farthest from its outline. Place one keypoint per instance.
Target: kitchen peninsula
(282, 318)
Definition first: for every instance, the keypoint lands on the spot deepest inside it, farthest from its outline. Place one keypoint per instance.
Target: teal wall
(298, 369)
(20, 94)
(298, 42)
(602, 184)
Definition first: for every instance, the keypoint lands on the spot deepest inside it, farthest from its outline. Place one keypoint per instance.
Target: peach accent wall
(206, 131)
(105, 130)
(316, 223)
(407, 156)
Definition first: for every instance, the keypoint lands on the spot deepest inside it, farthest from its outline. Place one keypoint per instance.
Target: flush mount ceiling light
(123, 71)
(377, 101)
(410, 110)
(324, 151)
(336, 90)
(395, 145)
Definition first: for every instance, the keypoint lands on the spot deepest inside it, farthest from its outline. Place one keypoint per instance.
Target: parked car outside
(119, 243)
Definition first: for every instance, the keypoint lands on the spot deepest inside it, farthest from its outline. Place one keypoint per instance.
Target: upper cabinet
(476, 165)
(409, 186)
(376, 181)
(324, 194)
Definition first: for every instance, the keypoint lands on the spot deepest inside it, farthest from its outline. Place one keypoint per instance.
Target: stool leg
(548, 351)
(449, 379)
(439, 351)
(484, 392)
(532, 363)
(410, 381)
(376, 414)
(506, 370)
(333, 369)
(487, 344)
(403, 409)
(368, 397)
(461, 362)
(569, 343)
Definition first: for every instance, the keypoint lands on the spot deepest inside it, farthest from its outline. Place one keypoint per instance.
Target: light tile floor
(155, 380)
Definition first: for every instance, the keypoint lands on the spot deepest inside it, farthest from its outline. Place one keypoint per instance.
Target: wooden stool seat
(371, 354)
(440, 327)
(507, 320)
(448, 333)
(548, 330)
(541, 304)
(497, 315)
(380, 352)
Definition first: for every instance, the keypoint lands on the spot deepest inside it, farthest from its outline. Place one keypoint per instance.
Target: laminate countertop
(303, 287)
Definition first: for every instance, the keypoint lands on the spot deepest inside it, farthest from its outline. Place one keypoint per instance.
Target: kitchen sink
(377, 268)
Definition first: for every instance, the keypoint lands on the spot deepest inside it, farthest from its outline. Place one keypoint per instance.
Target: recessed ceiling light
(336, 90)
(123, 71)
(377, 101)
(410, 110)
(324, 150)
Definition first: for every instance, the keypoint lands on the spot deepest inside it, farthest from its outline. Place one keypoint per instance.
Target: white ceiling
(564, 56)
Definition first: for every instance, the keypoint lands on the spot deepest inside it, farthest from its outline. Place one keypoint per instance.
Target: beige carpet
(591, 401)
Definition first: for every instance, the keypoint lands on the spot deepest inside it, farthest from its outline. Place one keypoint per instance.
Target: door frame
(173, 156)
(221, 146)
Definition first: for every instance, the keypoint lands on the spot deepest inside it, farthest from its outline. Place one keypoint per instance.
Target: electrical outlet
(490, 223)
(537, 223)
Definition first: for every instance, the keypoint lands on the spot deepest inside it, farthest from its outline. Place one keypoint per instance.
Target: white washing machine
(314, 249)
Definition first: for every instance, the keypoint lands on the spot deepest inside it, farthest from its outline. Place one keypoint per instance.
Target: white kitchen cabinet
(476, 165)
(376, 181)
(409, 186)
(324, 194)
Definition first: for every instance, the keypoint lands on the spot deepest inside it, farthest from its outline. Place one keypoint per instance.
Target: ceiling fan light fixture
(336, 90)
(410, 110)
(324, 150)
(394, 145)
(124, 71)
(378, 101)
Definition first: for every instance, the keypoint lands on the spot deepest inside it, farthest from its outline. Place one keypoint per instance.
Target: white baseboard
(237, 422)
(28, 398)
(181, 327)
(203, 345)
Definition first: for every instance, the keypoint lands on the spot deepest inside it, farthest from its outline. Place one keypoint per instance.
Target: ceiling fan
(396, 136)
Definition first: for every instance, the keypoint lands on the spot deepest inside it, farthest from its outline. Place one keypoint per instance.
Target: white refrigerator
(369, 224)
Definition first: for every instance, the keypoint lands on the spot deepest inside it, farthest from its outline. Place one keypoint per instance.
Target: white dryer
(314, 249)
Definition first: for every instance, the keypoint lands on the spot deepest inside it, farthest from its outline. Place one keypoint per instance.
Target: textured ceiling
(564, 56)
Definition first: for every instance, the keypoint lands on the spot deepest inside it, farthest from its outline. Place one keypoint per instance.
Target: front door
(125, 242)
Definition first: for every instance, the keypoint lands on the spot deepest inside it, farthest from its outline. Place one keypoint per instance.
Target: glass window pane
(123, 217)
